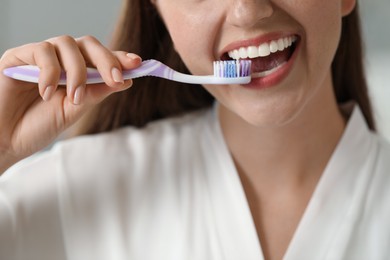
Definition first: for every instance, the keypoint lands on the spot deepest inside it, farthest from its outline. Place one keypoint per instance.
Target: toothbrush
(225, 72)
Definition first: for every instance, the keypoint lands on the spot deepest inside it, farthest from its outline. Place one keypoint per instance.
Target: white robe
(171, 191)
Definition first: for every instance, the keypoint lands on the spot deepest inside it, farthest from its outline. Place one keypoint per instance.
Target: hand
(33, 115)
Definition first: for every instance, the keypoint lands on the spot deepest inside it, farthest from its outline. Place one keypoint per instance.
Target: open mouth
(267, 57)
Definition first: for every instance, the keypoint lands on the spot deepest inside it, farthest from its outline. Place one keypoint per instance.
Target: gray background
(24, 21)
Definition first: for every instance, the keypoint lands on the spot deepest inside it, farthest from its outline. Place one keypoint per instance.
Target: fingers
(72, 56)
(101, 58)
(27, 123)
(73, 64)
(97, 92)
(128, 60)
(46, 58)
(75, 54)
(43, 55)
(109, 64)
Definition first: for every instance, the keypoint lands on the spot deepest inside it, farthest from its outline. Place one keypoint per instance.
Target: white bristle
(232, 68)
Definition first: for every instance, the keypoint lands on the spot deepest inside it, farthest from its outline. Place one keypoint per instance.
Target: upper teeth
(264, 50)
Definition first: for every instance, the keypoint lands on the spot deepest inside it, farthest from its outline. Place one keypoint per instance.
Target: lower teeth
(267, 72)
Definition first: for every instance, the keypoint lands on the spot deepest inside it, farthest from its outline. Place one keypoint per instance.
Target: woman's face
(291, 44)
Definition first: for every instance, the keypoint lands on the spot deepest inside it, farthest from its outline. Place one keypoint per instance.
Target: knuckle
(89, 38)
(63, 38)
(67, 39)
(44, 46)
(7, 53)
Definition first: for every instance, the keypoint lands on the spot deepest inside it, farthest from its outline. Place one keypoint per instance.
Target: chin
(275, 120)
(272, 115)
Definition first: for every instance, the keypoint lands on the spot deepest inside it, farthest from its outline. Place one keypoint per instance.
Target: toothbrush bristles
(232, 68)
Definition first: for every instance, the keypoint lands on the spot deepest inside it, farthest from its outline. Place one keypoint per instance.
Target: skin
(290, 129)
(31, 116)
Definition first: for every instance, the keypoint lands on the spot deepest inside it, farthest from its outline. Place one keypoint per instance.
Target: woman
(284, 167)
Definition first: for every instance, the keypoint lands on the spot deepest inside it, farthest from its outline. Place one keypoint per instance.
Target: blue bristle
(226, 69)
(232, 68)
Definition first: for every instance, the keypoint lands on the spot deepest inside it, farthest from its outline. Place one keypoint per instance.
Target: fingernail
(133, 56)
(117, 75)
(78, 95)
(48, 93)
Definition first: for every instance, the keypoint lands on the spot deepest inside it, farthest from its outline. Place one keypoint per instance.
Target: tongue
(272, 61)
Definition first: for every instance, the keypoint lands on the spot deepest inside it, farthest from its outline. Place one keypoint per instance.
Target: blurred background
(376, 29)
(23, 21)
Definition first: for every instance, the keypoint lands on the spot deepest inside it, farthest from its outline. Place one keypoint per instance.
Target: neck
(292, 154)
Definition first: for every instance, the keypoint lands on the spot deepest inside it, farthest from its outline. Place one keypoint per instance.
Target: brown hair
(349, 80)
(140, 30)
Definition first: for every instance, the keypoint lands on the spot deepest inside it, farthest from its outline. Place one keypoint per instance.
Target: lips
(266, 56)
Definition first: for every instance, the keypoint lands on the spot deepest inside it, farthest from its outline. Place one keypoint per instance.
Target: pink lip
(276, 77)
(254, 41)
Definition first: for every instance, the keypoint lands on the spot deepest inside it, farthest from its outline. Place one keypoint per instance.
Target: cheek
(322, 25)
(319, 23)
(193, 35)
(185, 35)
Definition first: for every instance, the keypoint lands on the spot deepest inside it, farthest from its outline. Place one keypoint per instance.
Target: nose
(247, 13)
